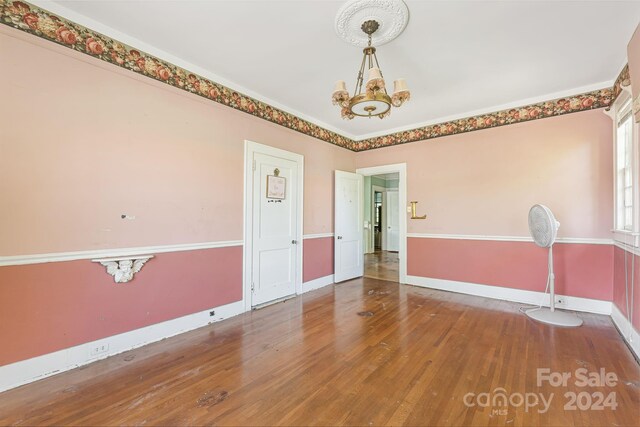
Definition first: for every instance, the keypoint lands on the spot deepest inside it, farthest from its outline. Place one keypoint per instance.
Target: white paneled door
(392, 222)
(349, 214)
(275, 228)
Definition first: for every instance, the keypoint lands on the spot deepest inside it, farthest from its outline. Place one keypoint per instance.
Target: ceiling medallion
(391, 15)
(372, 100)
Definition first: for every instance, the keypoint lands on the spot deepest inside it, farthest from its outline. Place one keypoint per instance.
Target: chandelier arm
(358, 88)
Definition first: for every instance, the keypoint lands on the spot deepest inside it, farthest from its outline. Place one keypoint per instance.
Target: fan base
(557, 318)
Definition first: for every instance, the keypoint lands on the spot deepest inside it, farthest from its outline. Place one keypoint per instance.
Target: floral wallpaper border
(41, 23)
(624, 79)
(586, 101)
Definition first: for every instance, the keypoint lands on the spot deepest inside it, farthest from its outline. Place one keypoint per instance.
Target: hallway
(382, 265)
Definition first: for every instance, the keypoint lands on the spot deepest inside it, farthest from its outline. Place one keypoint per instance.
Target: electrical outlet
(99, 349)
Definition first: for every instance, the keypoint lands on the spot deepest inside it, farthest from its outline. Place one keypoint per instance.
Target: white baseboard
(318, 283)
(628, 332)
(26, 371)
(516, 295)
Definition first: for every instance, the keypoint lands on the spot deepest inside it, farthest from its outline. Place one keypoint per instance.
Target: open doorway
(385, 223)
(355, 236)
(382, 226)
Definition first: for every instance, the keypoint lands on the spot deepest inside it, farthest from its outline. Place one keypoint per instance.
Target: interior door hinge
(253, 286)
(254, 165)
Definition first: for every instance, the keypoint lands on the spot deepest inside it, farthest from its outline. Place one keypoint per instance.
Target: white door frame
(401, 169)
(250, 148)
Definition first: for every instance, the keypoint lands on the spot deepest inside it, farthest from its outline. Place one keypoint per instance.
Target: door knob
(294, 242)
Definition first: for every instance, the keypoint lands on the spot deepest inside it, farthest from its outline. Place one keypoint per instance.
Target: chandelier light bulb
(374, 73)
(401, 93)
(375, 83)
(400, 85)
(341, 86)
(340, 95)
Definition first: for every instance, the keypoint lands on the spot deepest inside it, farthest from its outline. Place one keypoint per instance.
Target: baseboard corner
(629, 334)
(318, 283)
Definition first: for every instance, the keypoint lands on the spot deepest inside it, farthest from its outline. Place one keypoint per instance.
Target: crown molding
(183, 75)
(623, 80)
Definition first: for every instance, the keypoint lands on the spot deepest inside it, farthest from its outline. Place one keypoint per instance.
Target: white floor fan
(544, 229)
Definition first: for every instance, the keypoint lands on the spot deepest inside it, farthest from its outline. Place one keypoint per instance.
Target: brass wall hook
(413, 212)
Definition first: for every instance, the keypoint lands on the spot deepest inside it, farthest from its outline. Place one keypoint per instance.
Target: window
(624, 168)
(626, 171)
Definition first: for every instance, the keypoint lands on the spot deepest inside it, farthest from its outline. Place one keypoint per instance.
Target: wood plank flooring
(364, 352)
(382, 265)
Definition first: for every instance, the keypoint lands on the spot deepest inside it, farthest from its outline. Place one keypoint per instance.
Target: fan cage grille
(542, 226)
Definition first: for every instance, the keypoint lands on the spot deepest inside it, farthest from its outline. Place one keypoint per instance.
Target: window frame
(619, 110)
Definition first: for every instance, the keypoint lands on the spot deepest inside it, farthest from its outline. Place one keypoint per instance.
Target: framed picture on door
(276, 186)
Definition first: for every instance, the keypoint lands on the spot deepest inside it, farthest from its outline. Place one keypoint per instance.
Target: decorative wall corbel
(123, 269)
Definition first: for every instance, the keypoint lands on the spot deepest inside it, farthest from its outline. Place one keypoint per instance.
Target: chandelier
(370, 99)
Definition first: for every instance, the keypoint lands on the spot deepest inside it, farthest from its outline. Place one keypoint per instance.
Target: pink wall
(83, 142)
(484, 182)
(581, 270)
(49, 307)
(318, 258)
(621, 287)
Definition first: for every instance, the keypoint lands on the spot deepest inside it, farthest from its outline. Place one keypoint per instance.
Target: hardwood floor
(382, 265)
(364, 352)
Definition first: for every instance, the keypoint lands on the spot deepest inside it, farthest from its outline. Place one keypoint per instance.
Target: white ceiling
(459, 57)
